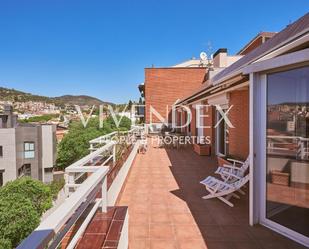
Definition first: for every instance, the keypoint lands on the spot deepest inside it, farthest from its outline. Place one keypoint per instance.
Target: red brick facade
(163, 86)
(239, 116)
(193, 121)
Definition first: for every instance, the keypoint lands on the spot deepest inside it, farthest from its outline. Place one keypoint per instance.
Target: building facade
(26, 149)
(265, 95)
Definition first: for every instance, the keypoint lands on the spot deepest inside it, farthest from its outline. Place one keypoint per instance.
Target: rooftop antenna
(210, 51)
(203, 56)
(205, 59)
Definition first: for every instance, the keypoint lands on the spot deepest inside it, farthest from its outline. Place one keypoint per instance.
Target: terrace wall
(239, 116)
(163, 86)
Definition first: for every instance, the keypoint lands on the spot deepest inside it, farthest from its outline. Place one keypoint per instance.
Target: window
(29, 150)
(1, 151)
(48, 170)
(1, 179)
(24, 170)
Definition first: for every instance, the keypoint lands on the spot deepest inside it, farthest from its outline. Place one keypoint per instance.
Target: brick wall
(193, 121)
(239, 116)
(163, 86)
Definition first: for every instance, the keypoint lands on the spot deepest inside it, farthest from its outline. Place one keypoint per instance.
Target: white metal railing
(52, 230)
(97, 142)
(101, 147)
(88, 164)
(46, 233)
(289, 145)
(101, 140)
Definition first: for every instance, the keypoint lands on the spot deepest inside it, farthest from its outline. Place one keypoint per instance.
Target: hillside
(79, 99)
(19, 96)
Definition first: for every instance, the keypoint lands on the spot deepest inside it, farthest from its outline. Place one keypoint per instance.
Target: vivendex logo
(171, 129)
(170, 125)
(201, 112)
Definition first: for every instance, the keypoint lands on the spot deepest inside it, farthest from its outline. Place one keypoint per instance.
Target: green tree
(5, 243)
(18, 218)
(22, 202)
(129, 105)
(75, 144)
(38, 119)
(37, 192)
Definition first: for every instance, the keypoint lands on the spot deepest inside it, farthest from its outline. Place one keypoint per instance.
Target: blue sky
(100, 48)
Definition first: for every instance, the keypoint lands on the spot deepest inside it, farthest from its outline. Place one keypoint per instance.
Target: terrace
(152, 200)
(166, 210)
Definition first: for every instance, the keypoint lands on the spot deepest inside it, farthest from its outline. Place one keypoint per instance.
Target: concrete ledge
(118, 182)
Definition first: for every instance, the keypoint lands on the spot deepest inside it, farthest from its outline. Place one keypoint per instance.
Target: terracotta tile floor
(166, 210)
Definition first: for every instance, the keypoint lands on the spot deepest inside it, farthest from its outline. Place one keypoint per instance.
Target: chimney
(8, 119)
(8, 109)
(220, 58)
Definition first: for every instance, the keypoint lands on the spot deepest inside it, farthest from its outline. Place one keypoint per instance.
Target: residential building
(265, 97)
(25, 149)
(164, 86)
(258, 40)
(265, 94)
(61, 131)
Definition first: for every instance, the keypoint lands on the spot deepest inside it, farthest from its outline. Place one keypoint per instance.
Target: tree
(22, 202)
(129, 105)
(5, 244)
(18, 218)
(37, 192)
(75, 144)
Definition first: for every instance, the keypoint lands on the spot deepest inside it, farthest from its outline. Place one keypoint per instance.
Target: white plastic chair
(224, 191)
(235, 171)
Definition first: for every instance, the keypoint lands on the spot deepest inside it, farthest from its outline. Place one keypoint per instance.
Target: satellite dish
(203, 56)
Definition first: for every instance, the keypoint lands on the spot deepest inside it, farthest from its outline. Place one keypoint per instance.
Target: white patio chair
(143, 145)
(222, 190)
(234, 172)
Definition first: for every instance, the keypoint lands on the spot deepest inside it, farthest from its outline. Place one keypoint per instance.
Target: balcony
(166, 210)
(153, 201)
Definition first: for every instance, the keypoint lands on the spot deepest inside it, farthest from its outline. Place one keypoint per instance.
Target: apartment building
(265, 94)
(25, 149)
(164, 86)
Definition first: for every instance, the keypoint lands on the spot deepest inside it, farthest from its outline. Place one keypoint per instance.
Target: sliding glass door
(286, 196)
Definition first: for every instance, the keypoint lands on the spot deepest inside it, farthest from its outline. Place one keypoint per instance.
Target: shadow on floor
(221, 226)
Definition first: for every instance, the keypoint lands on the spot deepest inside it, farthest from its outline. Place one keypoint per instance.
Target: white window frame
(218, 117)
(259, 172)
(199, 119)
(29, 153)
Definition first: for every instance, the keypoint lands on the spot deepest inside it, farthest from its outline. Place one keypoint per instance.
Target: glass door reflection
(287, 174)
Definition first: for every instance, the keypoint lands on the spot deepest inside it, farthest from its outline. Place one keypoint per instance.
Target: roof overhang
(296, 58)
(209, 91)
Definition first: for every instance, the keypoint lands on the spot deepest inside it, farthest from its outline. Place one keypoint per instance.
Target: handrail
(41, 236)
(92, 155)
(51, 230)
(301, 143)
(99, 139)
(289, 137)
(103, 138)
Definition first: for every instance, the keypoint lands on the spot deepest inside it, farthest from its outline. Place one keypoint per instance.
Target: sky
(100, 48)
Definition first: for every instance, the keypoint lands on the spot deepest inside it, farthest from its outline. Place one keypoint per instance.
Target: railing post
(91, 147)
(104, 195)
(66, 188)
(302, 150)
(70, 180)
(114, 153)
